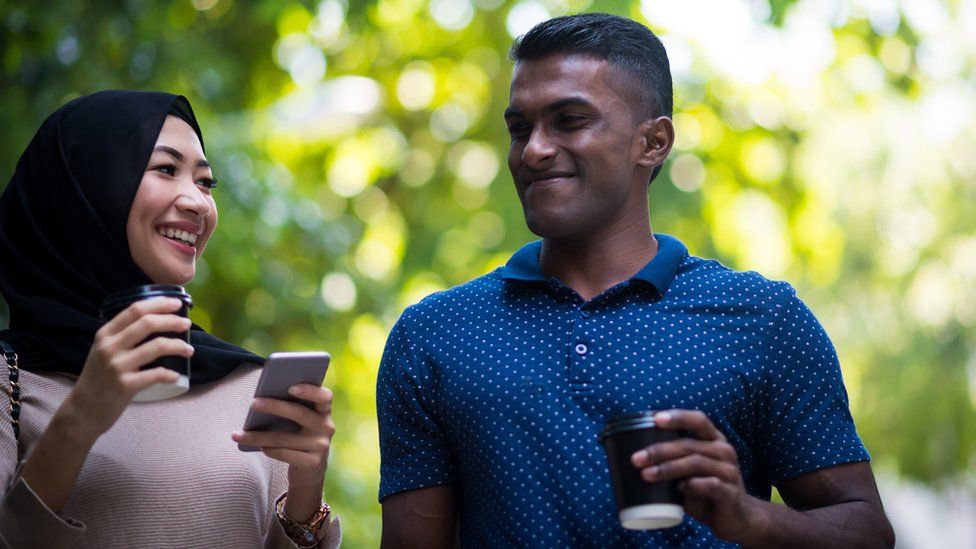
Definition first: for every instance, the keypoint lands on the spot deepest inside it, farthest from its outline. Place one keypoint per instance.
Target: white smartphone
(281, 371)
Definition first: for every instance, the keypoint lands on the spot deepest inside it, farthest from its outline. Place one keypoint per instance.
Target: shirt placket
(581, 350)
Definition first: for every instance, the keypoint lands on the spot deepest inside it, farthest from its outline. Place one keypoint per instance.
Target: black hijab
(63, 244)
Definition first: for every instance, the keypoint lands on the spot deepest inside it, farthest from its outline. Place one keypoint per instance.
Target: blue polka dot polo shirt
(501, 386)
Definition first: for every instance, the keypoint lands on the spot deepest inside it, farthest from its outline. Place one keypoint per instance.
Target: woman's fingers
(320, 396)
(121, 344)
(306, 418)
(295, 458)
(299, 442)
(316, 420)
(147, 325)
(137, 381)
(132, 313)
(150, 351)
(308, 449)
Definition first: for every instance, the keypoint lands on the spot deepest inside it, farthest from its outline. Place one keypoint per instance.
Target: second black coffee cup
(119, 301)
(641, 505)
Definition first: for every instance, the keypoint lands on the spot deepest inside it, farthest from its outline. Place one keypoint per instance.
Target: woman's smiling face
(173, 213)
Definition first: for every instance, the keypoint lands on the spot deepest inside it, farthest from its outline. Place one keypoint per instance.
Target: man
(491, 395)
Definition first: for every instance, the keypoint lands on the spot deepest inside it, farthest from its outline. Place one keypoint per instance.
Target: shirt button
(581, 349)
(585, 313)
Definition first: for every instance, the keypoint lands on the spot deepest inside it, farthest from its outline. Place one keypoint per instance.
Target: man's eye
(571, 120)
(516, 130)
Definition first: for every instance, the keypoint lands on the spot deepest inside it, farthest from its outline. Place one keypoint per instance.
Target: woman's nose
(193, 199)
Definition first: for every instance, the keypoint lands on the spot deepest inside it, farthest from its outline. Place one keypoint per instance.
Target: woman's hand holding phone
(305, 450)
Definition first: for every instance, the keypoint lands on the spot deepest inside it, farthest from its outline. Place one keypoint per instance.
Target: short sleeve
(805, 424)
(413, 450)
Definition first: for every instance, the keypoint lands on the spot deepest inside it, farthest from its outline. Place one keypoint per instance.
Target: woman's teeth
(177, 234)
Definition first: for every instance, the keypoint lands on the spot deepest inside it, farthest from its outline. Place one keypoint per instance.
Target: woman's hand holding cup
(112, 376)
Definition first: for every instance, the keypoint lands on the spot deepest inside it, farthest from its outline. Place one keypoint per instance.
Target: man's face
(575, 147)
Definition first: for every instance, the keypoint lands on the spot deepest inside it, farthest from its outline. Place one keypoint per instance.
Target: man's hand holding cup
(706, 467)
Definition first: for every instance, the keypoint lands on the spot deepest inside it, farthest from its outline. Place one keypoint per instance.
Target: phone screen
(281, 371)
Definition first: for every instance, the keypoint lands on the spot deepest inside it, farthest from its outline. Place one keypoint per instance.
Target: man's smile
(547, 178)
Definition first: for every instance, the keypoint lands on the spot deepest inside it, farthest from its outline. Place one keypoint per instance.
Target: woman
(114, 191)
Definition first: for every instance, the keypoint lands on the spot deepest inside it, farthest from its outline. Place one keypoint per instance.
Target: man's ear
(656, 137)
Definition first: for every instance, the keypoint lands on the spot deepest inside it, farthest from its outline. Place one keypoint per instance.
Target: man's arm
(838, 506)
(834, 507)
(420, 518)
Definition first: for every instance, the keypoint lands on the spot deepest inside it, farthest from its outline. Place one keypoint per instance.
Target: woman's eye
(167, 169)
(207, 182)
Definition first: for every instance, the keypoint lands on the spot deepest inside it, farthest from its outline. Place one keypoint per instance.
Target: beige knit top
(167, 474)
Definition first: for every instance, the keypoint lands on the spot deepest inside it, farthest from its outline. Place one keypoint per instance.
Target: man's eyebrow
(574, 101)
(178, 155)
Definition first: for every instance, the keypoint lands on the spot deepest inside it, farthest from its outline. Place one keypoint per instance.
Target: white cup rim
(162, 391)
(651, 516)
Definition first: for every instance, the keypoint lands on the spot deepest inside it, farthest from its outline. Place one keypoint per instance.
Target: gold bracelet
(304, 534)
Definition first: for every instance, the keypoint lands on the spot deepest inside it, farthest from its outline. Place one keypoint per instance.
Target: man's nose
(539, 148)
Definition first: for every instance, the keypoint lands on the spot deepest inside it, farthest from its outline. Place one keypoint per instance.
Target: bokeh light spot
(687, 173)
(449, 122)
(451, 14)
(338, 291)
(523, 16)
(415, 87)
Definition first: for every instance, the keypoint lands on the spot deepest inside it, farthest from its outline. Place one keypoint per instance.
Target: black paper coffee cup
(641, 505)
(117, 302)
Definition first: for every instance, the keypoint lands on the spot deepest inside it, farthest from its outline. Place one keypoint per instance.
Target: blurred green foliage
(361, 152)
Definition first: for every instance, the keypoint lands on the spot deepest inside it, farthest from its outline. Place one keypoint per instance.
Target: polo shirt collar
(659, 271)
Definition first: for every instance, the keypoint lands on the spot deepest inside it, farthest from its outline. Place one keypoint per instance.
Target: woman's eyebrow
(178, 155)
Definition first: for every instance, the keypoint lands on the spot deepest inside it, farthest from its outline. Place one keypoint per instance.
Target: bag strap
(11, 356)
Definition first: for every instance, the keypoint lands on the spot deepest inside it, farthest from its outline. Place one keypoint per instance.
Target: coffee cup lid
(125, 297)
(627, 422)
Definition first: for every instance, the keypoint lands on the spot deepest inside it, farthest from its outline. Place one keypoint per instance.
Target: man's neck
(594, 265)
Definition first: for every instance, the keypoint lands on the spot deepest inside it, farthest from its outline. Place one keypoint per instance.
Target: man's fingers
(694, 465)
(691, 420)
(712, 488)
(664, 451)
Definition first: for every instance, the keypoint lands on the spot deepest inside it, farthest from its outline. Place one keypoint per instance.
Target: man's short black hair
(623, 43)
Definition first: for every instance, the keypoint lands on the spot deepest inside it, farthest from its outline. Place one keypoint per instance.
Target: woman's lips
(180, 246)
